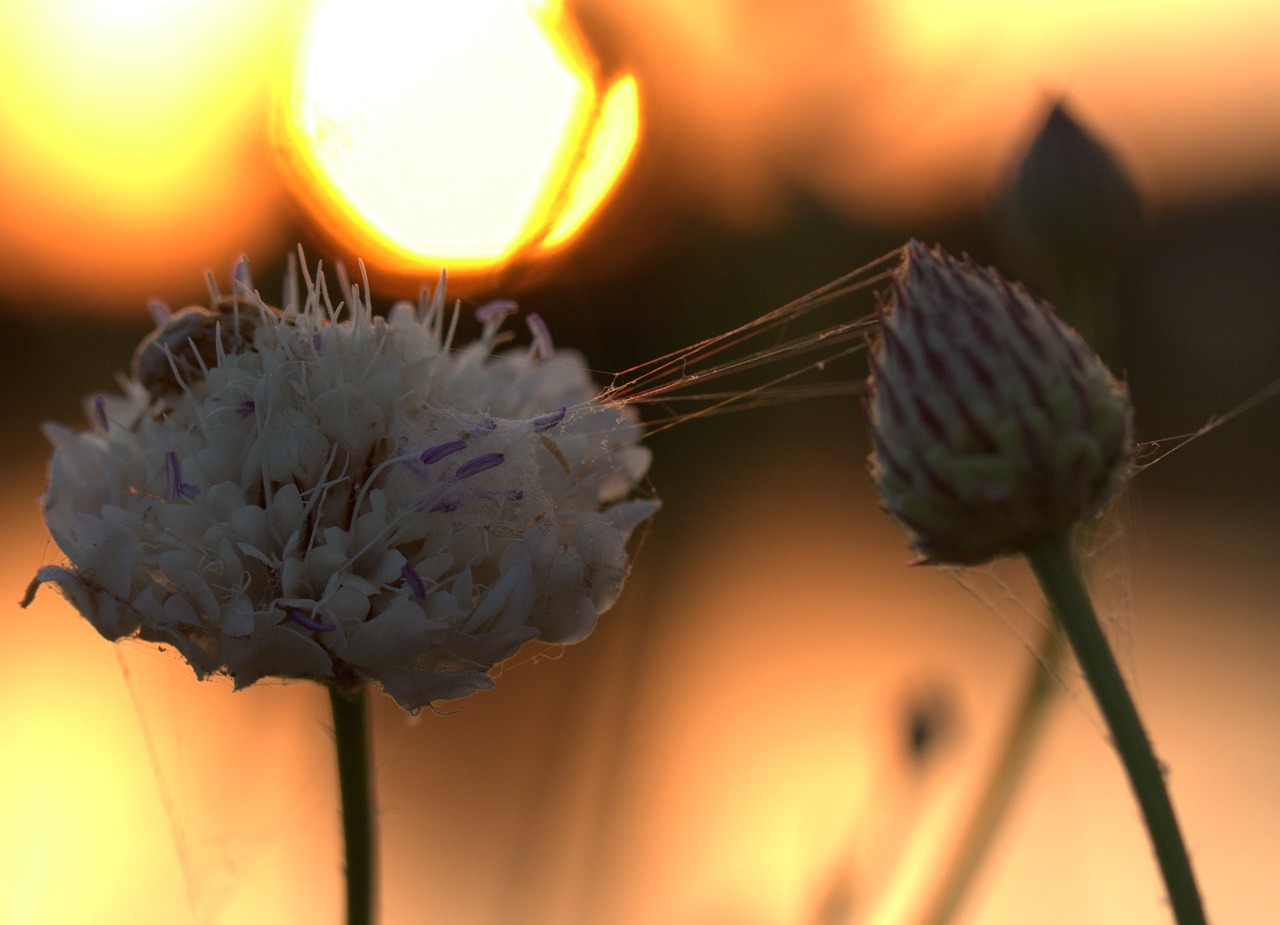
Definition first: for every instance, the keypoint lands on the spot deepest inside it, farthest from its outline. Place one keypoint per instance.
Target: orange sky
(132, 164)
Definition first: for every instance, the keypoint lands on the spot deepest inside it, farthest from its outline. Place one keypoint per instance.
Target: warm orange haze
(135, 144)
(139, 140)
(728, 748)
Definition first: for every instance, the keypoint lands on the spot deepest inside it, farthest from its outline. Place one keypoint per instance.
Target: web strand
(165, 794)
(1271, 390)
(668, 379)
(677, 363)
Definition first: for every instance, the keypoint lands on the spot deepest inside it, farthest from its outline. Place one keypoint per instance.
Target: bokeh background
(781, 722)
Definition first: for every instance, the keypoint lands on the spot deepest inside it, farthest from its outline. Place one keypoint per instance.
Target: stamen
(440, 451)
(542, 345)
(479, 464)
(100, 412)
(414, 581)
(242, 278)
(546, 422)
(160, 312)
(316, 626)
(245, 408)
(495, 310)
(175, 487)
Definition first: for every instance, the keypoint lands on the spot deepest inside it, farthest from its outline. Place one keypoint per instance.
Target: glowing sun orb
(424, 132)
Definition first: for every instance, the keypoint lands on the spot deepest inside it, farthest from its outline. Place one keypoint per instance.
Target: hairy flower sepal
(309, 493)
(993, 424)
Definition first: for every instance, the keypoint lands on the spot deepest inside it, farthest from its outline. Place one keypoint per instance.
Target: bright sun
(423, 133)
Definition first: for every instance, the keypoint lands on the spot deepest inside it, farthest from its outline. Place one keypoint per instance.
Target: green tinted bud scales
(993, 424)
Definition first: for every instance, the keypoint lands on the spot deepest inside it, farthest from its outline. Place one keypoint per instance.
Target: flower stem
(1055, 567)
(351, 737)
(1001, 787)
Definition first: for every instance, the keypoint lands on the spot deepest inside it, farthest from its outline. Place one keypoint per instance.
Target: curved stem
(351, 738)
(1055, 567)
(1020, 739)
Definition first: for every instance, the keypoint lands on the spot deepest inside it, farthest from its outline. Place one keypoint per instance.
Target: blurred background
(780, 722)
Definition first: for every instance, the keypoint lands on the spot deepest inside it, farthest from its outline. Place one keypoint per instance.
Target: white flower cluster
(300, 494)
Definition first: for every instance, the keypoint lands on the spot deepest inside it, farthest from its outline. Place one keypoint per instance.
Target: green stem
(1055, 567)
(351, 737)
(993, 803)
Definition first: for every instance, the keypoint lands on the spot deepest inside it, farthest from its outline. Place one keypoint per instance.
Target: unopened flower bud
(993, 424)
(1070, 195)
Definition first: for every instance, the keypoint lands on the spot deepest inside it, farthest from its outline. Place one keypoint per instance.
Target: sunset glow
(737, 741)
(132, 158)
(422, 134)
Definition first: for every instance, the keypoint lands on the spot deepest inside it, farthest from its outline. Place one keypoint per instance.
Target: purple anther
(548, 421)
(100, 412)
(317, 341)
(447, 506)
(498, 308)
(441, 450)
(541, 335)
(245, 408)
(308, 623)
(175, 487)
(414, 581)
(479, 464)
(242, 278)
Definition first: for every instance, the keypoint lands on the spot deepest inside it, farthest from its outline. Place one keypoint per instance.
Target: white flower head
(324, 493)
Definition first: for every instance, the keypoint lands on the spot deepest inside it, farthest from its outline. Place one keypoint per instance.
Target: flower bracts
(993, 424)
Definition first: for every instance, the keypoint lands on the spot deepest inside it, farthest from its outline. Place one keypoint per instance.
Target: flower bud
(993, 424)
(1071, 202)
